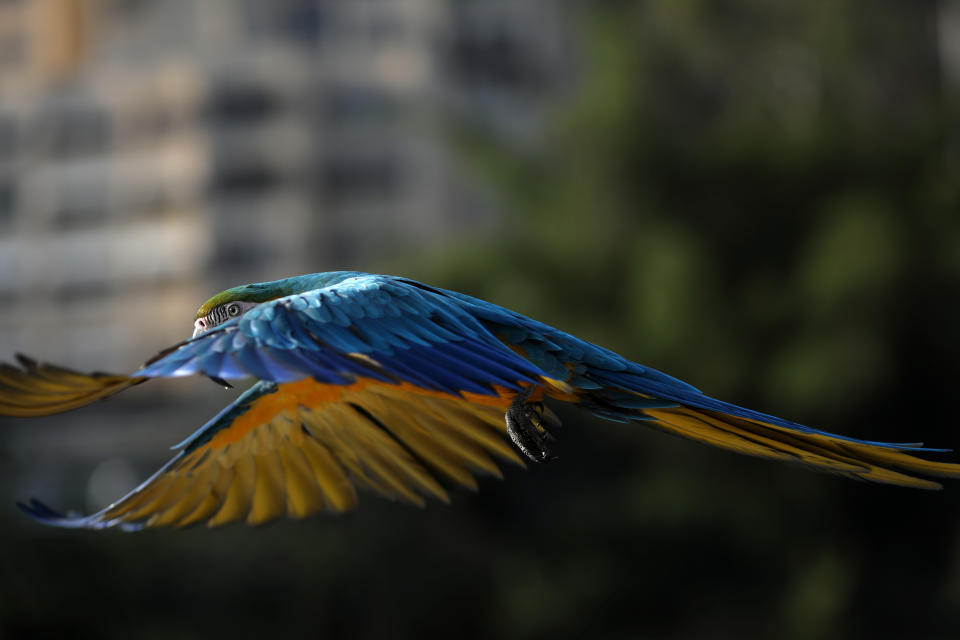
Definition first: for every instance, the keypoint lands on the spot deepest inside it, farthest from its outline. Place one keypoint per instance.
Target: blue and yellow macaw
(404, 389)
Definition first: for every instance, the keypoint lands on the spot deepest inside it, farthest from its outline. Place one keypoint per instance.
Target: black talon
(527, 426)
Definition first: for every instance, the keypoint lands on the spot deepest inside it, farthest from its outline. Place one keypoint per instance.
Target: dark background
(761, 198)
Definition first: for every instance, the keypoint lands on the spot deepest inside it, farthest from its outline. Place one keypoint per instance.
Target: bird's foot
(527, 426)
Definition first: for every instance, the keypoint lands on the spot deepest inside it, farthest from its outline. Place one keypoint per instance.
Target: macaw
(404, 389)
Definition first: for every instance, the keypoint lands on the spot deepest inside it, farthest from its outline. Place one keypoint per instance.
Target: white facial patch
(220, 314)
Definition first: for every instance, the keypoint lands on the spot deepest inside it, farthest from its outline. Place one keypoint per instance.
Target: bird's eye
(233, 309)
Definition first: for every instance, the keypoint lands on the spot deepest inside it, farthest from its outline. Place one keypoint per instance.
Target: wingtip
(41, 512)
(45, 515)
(25, 361)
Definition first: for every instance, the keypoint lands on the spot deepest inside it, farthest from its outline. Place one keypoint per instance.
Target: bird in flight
(404, 389)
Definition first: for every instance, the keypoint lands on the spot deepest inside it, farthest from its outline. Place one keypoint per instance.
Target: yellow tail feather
(820, 451)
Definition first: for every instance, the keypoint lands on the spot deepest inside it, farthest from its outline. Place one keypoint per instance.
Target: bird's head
(226, 305)
(236, 301)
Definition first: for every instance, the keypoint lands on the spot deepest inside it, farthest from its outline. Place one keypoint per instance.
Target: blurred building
(152, 153)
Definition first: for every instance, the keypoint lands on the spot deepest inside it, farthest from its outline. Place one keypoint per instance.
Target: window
(233, 102)
(7, 201)
(82, 195)
(298, 21)
(344, 177)
(8, 138)
(252, 175)
(353, 104)
(73, 132)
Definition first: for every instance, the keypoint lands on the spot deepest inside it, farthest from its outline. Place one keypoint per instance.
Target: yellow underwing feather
(388, 451)
(159, 500)
(268, 496)
(330, 476)
(305, 447)
(379, 457)
(236, 504)
(464, 421)
(199, 490)
(304, 496)
(452, 434)
(459, 449)
(212, 502)
(433, 453)
(331, 427)
(142, 496)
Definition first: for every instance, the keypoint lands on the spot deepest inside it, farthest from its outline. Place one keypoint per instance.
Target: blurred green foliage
(760, 197)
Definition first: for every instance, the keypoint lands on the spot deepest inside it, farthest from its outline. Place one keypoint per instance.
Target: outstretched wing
(378, 327)
(293, 449)
(369, 326)
(40, 389)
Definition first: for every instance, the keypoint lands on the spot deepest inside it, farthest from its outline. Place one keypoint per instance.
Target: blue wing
(376, 327)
